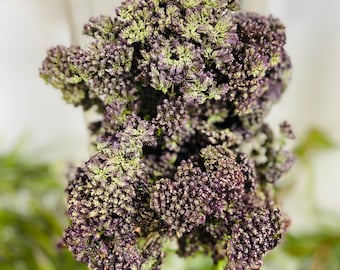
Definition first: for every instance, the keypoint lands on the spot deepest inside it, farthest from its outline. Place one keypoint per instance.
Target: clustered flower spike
(183, 153)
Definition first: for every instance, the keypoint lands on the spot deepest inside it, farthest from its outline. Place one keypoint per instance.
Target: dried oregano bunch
(183, 153)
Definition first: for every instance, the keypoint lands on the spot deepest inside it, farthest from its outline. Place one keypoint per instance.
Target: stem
(260, 6)
(70, 21)
(77, 13)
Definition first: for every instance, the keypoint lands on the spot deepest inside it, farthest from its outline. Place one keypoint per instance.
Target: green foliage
(196, 262)
(318, 249)
(31, 217)
(315, 140)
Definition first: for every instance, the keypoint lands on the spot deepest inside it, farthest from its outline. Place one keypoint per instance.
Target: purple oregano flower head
(182, 151)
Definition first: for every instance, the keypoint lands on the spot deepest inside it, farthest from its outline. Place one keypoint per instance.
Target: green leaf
(31, 226)
(315, 140)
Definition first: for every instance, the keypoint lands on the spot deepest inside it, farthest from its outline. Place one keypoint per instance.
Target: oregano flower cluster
(183, 154)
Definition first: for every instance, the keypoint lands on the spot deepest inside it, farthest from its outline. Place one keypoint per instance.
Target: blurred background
(39, 133)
